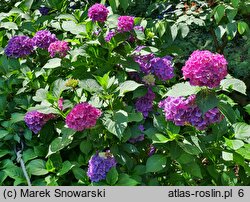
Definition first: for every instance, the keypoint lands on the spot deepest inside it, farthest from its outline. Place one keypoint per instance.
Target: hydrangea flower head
(145, 103)
(98, 13)
(99, 165)
(43, 39)
(44, 10)
(19, 46)
(58, 48)
(82, 116)
(110, 35)
(36, 120)
(163, 68)
(125, 23)
(204, 68)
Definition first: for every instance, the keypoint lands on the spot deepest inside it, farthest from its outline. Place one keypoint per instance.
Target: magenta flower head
(204, 68)
(125, 23)
(98, 13)
(145, 103)
(43, 39)
(19, 46)
(36, 120)
(163, 68)
(99, 165)
(82, 116)
(59, 48)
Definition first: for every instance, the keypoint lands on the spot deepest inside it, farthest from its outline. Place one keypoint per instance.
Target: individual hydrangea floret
(149, 80)
(204, 68)
(110, 35)
(59, 48)
(163, 68)
(98, 13)
(82, 116)
(43, 39)
(145, 103)
(139, 28)
(36, 120)
(19, 46)
(125, 23)
(44, 10)
(152, 150)
(184, 111)
(99, 165)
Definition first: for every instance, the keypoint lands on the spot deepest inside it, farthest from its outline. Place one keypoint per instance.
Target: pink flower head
(204, 68)
(98, 12)
(58, 47)
(125, 23)
(82, 116)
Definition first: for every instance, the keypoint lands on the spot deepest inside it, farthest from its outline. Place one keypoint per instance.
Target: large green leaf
(227, 111)
(74, 28)
(112, 176)
(90, 85)
(126, 180)
(182, 89)
(53, 63)
(206, 101)
(37, 167)
(235, 84)
(66, 167)
(128, 86)
(242, 131)
(219, 13)
(156, 163)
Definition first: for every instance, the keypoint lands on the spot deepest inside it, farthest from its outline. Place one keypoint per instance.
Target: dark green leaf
(156, 163)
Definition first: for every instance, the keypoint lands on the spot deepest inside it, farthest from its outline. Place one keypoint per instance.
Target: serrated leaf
(182, 89)
(156, 163)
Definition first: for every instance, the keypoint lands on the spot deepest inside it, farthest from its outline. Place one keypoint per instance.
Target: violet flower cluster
(184, 111)
(43, 39)
(98, 13)
(44, 10)
(144, 104)
(19, 46)
(204, 68)
(160, 67)
(36, 120)
(99, 165)
(59, 48)
(125, 23)
(82, 116)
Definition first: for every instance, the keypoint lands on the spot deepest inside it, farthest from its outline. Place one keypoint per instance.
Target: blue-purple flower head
(163, 68)
(144, 104)
(36, 120)
(43, 39)
(99, 166)
(19, 46)
(44, 10)
(98, 13)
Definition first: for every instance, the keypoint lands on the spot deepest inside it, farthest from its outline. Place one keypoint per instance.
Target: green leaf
(85, 147)
(135, 117)
(242, 27)
(189, 148)
(114, 4)
(244, 151)
(227, 111)
(235, 3)
(156, 163)
(182, 89)
(58, 87)
(112, 176)
(174, 31)
(53, 63)
(234, 144)
(3, 133)
(74, 28)
(3, 176)
(242, 131)
(61, 142)
(231, 13)
(128, 86)
(37, 167)
(159, 138)
(231, 29)
(17, 117)
(184, 29)
(194, 169)
(247, 108)
(185, 158)
(219, 13)
(80, 174)
(41, 95)
(66, 167)
(126, 180)
(124, 4)
(4, 152)
(90, 85)
(29, 154)
(206, 101)
(15, 173)
(8, 25)
(227, 156)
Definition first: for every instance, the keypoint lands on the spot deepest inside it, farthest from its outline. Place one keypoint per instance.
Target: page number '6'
(241, 193)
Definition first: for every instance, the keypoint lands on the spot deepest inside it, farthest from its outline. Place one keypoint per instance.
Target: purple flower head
(144, 62)
(139, 28)
(204, 68)
(58, 48)
(110, 35)
(145, 104)
(44, 10)
(99, 165)
(152, 150)
(125, 23)
(36, 120)
(43, 39)
(60, 104)
(19, 46)
(82, 116)
(185, 111)
(98, 13)
(162, 68)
